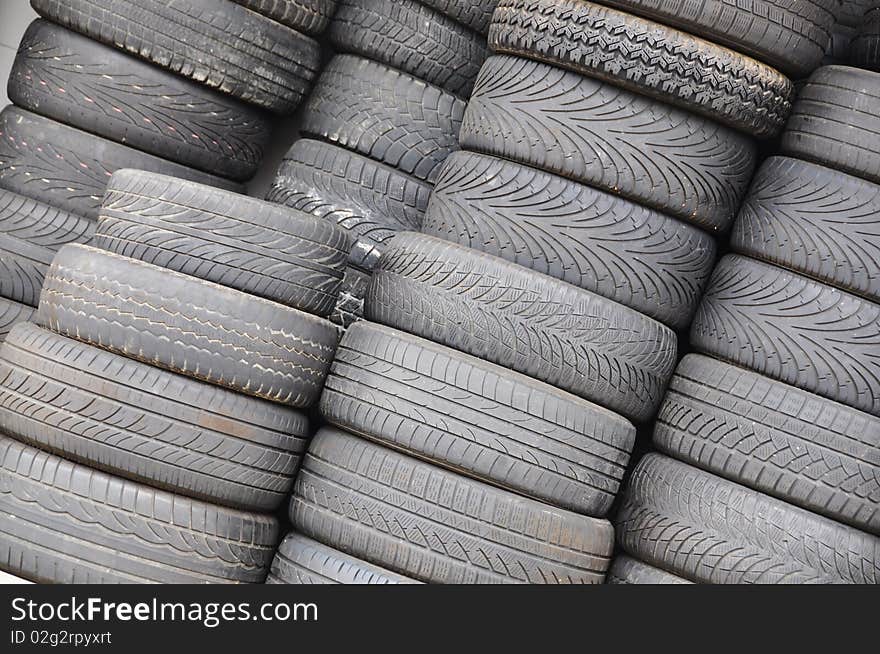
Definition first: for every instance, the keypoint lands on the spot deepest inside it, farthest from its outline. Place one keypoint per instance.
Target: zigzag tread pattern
(307, 16)
(476, 14)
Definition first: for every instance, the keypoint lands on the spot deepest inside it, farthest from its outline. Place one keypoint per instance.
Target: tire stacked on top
(770, 436)
(864, 49)
(383, 117)
(179, 88)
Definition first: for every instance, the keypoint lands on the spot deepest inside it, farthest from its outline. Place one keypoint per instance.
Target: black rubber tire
(66, 523)
(252, 246)
(307, 16)
(593, 132)
(792, 329)
(350, 303)
(301, 560)
(711, 530)
(369, 200)
(409, 36)
(777, 439)
(630, 571)
(646, 57)
(215, 42)
(791, 35)
(68, 168)
(477, 419)
(67, 77)
(30, 234)
(816, 221)
(838, 51)
(12, 313)
(385, 115)
(865, 47)
(187, 325)
(436, 526)
(476, 14)
(835, 122)
(852, 12)
(534, 324)
(581, 235)
(136, 421)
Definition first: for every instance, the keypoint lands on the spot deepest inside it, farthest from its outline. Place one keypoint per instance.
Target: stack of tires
(381, 121)
(183, 88)
(772, 432)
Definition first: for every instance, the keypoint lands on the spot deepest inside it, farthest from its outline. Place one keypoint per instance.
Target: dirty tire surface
(307, 16)
(12, 313)
(476, 14)
(627, 570)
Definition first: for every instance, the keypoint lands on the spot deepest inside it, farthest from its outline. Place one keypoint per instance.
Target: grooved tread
(12, 313)
(852, 12)
(476, 14)
(627, 570)
(308, 16)
(350, 304)
(865, 47)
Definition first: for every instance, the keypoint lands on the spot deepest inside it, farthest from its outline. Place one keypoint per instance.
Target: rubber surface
(586, 237)
(835, 122)
(711, 530)
(12, 313)
(253, 246)
(412, 37)
(350, 303)
(215, 42)
(519, 319)
(68, 168)
(852, 12)
(627, 570)
(308, 16)
(72, 79)
(476, 14)
(436, 526)
(816, 221)
(593, 132)
(794, 330)
(187, 325)
(30, 234)
(477, 418)
(131, 419)
(301, 560)
(646, 57)
(865, 47)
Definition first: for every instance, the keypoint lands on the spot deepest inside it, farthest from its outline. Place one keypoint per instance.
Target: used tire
(646, 57)
(627, 570)
(792, 329)
(436, 526)
(301, 560)
(816, 221)
(350, 303)
(187, 325)
(711, 530)
(478, 419)
(133, 420)
(217, 43)
(30, 234)
(799, 447)
(12, 313)
(414, 38)
(385, 115)
(865, 47)
(309, 16)
(65, 523)
(476, 14)
(593, 132)
(581, 235)
(852, 12)
(835, 122)
(68, 168)
(252, 246)
(72, 79)
(520, 319)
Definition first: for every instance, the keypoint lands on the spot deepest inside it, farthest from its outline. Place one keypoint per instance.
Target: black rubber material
(835, 122)
(301, 560)
(12, 313)
(436, 526)
(133, 420)
(852, 12)
(30, 234)
(775, 438)
(792, 329)
(369, 200)
(593, 132)
(350, 303)
(253, 246)
(791, 35)
(308, 16)
(72, 79)
(646, 57)
(385, 115)
(605, 244)
(816, 221)
(865, 47)
(187, 325)
(520, 319)
(476, 14)
(68, 168)
(215, 42)
(477, 418)
(409, 36)
(710, 530)
(630, 571)
(65, 523)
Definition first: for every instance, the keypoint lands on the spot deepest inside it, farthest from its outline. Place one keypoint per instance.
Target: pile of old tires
(152, 414)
